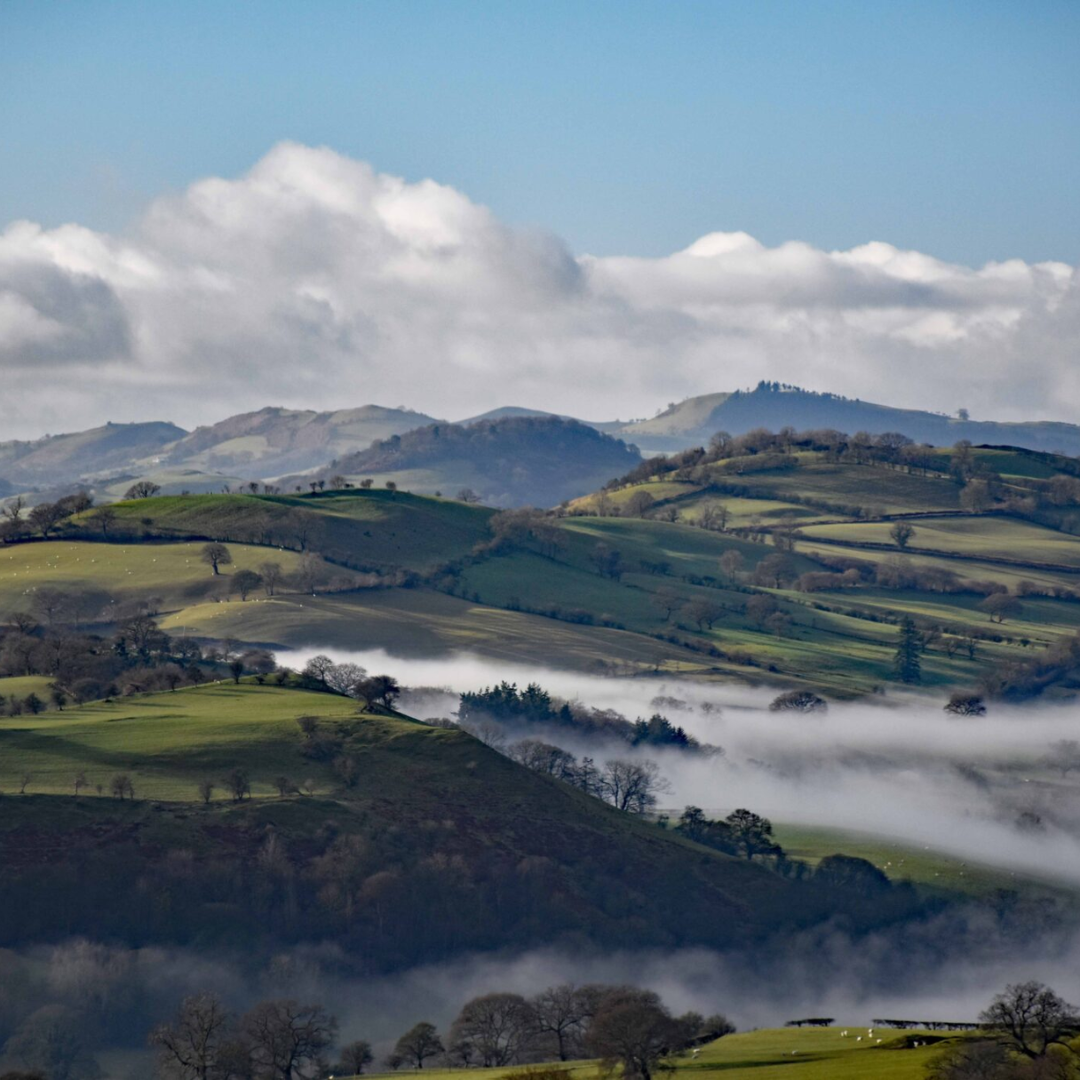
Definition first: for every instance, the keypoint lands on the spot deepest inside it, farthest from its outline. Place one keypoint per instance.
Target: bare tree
(190, 1046)
(706, 613)
(353, 1057)
(144, 489)
(731, 563)
(272, 575)
(901, 534)
(238, 784)
(497, 1026)
(632, 1029)
(631, 785)
(288, 1039)
(215, 555)
(560, 1012)
(245, 582)
(1032, 1018)
(46, 516)
(418, 1044)
(122, 787)
(206, 791)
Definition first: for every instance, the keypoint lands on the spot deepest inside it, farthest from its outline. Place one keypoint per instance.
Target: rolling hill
(273, 441)
(509, 461)
(424, 815)
(770, 405)
(63, 459)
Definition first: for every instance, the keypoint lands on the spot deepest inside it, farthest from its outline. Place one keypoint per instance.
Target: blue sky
(628, 127)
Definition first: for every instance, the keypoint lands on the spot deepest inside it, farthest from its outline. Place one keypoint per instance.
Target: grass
(974, 537)
(811, 1054)
(419, 622)
(923, 866)
(172, 572)
(856, 485)
(769, 1054)
(373, 528)
(167, 742)
(19, 686)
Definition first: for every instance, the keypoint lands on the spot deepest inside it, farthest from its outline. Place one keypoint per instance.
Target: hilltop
(273, 441)
(770, 405)
(59, 459)
(508, 461)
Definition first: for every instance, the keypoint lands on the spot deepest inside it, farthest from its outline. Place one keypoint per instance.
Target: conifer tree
(906, 663)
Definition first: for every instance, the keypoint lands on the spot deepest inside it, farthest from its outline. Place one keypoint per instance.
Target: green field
(769, 1054)
(974, 537)
(171, 572)
(922, 866)
(168, 742)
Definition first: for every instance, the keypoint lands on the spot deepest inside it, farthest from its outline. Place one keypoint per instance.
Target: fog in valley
(976, 787)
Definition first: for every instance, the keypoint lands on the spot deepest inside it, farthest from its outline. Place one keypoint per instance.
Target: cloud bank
(315, 281)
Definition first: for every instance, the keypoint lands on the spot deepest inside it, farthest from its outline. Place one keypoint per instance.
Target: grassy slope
(412, 779)
(771, 1054)
(377, 528)
(843, 641)
(172, 572)
(166, 742)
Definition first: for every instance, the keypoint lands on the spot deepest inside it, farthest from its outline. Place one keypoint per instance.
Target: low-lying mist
(979, 788)
(943, 969)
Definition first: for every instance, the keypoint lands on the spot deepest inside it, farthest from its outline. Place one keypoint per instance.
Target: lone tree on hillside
(901, 534)
(632, 1028)
(272, 575)
(215, 556)
(418, 1044)
(105, 519)
(497, 1026)
(1001, 606)
(142, 490)
(287, 1039)
(192, 1043)
(731, 563)
(1032, 1018)
(353, 1057)
(245, 582)
(752, 833)
(907, 663)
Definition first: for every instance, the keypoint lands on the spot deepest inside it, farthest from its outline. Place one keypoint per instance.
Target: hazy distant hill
(273, 441)
(57, 459)
(769, 405)
(518, 460)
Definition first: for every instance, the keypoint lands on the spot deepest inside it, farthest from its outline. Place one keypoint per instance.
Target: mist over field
(944, 969)
(970, 787)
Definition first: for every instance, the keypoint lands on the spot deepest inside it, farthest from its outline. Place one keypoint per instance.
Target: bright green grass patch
(21, 685)
(168, 742)
(770, 1054)
(867, 485)
(922, 866)
(996, 537)
(173, 572)
(810, 1054)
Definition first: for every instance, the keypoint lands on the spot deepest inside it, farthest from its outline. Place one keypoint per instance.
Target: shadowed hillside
(511, 461)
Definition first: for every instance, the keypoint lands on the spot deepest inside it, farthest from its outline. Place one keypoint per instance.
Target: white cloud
(315, 281)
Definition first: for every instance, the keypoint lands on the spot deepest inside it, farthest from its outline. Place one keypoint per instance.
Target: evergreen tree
(906, 664)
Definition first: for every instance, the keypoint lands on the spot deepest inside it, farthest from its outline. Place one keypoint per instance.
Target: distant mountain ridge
(772, 405)
(59, 458)
(275, 441)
